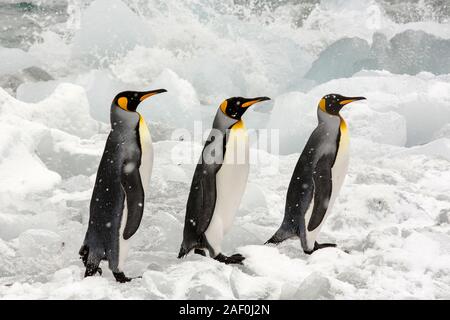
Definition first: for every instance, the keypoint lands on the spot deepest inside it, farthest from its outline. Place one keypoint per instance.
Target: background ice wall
(63, 61)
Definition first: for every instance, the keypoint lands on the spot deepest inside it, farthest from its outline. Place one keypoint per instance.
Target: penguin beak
(350, 100)
(148, 94)
(250, 102)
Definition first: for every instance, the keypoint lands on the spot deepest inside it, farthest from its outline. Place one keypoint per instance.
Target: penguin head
(235, 107)
(130, 100)
(333, 103)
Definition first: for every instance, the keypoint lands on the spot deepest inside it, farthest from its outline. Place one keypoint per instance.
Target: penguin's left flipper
(132, 186)
(234, 259)
(323, 184)
(318, 246)
(120, 277)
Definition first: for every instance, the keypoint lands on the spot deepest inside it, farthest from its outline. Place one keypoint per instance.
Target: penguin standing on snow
(117, 202)
(318, 176)
(219, 182)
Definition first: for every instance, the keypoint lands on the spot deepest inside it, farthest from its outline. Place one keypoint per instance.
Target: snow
(391, 221)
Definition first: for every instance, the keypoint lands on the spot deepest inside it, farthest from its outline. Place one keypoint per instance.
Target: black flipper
(132, 186)
(323, 186)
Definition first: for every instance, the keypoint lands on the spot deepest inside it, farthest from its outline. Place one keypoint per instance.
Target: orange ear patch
(322, 105)
(123, 103)
(223, 106)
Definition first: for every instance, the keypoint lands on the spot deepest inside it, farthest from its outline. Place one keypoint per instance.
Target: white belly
(123, 244)
(338, 174)
(145, 171)
(231, 181)
(147, 155)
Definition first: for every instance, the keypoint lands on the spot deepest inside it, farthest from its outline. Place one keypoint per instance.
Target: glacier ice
(408, 52)
(342, 59)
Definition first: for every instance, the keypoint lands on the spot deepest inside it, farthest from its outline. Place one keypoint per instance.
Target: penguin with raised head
(318, 176)
(219, 182)
(117, 202)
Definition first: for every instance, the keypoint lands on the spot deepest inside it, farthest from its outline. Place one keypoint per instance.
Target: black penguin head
(333, 103)
(236, 107)
(130, 100)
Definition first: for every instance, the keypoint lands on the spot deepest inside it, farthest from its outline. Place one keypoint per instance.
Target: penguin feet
(120, 277)
(91, 270)
(318, 246)
(234, 259)
(200, 252)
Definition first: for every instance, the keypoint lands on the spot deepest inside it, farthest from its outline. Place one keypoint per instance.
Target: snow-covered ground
(391, 221)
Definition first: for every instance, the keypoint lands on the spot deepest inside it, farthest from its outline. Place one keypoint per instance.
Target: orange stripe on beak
(148, 95)
(350, 100)
(152, 93)
(252, 102)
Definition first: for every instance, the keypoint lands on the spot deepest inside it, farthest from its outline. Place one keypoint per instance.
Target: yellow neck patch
(123, 103)
(238, 125)
(322, 105)
(343, 126)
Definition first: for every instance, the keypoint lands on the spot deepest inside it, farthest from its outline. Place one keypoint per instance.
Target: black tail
(190, 243)
(183, 252)
(91, 261)
(188, 246)
(281, 235)
(84, 252)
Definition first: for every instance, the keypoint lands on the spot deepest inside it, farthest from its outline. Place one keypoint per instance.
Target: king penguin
(318, 176)
(219, 182)
(117, 202)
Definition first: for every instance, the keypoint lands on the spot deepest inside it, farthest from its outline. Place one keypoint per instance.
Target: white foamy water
(64, 61)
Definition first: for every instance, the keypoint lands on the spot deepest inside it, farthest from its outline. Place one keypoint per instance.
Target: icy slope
(391, 221)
